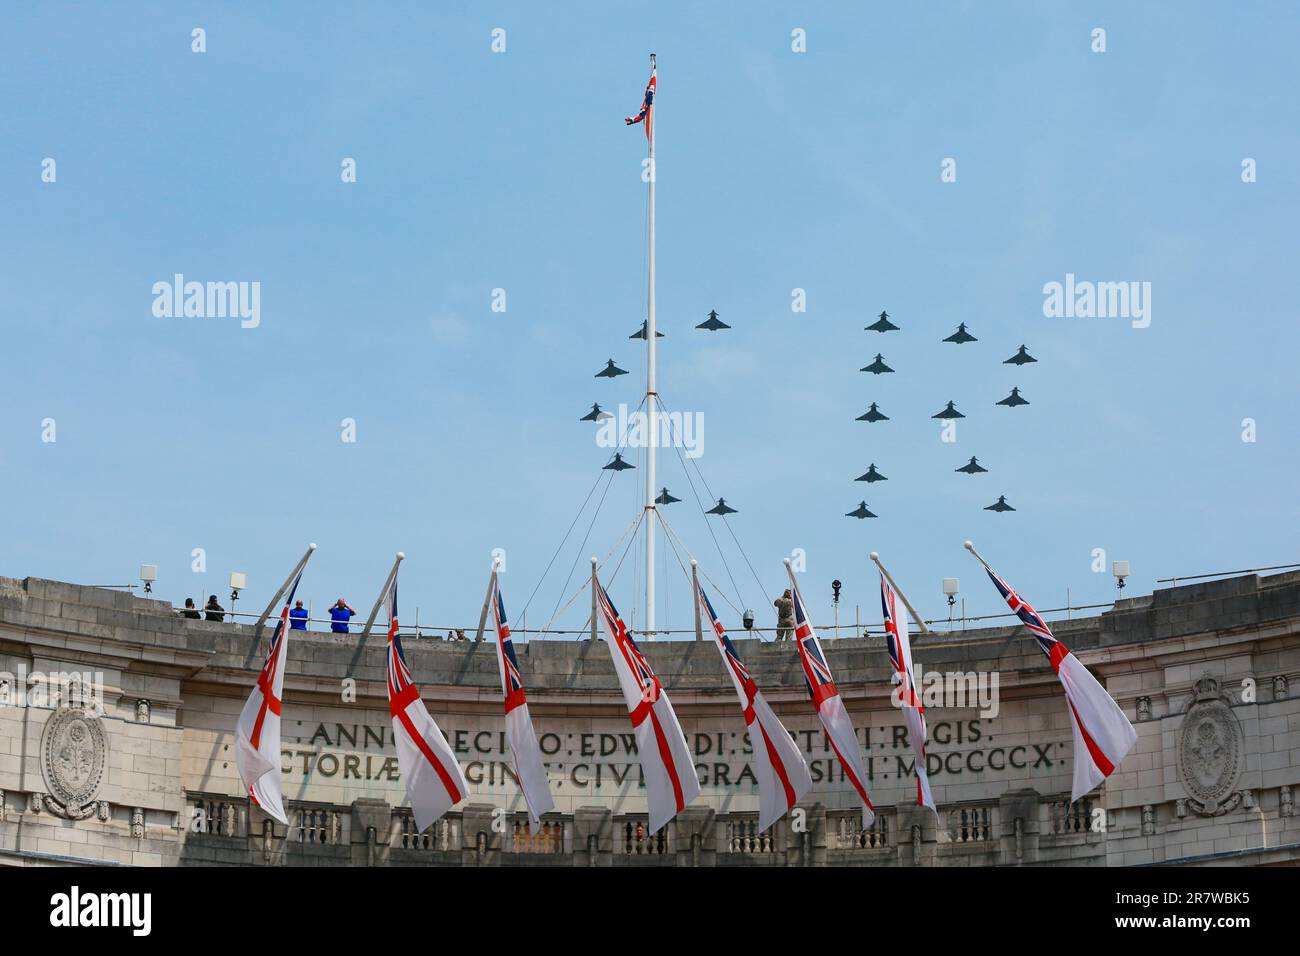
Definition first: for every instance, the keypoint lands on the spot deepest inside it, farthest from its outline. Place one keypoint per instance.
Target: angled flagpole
(899, 591)
(383, 593)
(275, 598)
(1103, 735)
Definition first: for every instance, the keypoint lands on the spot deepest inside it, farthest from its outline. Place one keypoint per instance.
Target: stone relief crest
(74, 751)
(1210, 749)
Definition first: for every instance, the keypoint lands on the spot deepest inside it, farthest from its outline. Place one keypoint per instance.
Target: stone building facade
(116, 746)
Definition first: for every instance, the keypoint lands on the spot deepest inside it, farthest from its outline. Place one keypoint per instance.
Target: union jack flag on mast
(671, 782)
(257, 732)
(646, 113)
(434, 781)
(1103, 736)
(524, 750)
(826, 701)
(908, 700)
(779, 767)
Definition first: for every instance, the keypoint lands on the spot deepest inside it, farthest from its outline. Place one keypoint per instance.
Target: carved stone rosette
(1210, 752)
(74, 752)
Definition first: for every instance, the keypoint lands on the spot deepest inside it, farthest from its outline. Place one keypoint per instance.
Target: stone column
(1018, 826)
(695, 837)
(593, 837)
(480, 844)
(372, 826)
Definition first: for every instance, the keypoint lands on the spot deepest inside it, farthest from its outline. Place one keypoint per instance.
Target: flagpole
(275, 599)
(899, 591)
(487, 600)
(388, 583)
(979, 557)
(695, 590)
(651, 395)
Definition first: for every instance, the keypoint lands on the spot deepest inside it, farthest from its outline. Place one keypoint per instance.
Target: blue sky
(777, 170)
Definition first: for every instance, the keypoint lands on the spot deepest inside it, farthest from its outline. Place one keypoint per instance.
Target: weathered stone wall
(1208, 673)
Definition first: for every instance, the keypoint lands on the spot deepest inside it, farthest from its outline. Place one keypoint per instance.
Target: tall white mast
(651, 395)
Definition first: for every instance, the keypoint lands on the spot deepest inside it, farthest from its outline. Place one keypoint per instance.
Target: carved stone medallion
(74, 752)
(1210, 752)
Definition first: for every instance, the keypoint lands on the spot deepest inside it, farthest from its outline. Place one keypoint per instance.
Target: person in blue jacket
(340, 614)
(298, 617)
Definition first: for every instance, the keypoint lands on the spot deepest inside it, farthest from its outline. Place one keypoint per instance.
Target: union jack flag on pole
(666, 761)
(646, 114)
(908, 700)
(826, 700)
(527, 755)
(1103, 736)
(434, 781)
(257, 733)
(779, 767)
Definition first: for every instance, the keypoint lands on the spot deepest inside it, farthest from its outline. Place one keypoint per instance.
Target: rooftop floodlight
(951, 589)
(1120, 570)
(148, 574)
(237, 583)
(835, 590)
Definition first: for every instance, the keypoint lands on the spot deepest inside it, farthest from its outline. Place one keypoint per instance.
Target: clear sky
(778, 170)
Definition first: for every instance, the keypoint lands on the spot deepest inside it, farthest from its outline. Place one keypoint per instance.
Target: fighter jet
(665, 498)
(1020, 358)
(872, 414)
(971, 467)
(610, 371)
(859, 512)
(596, 414)
(961, 335)
(877, 367)
(1000, 505)
(640, 333)
(618, 464)
(713, 323)
(721, 508)
(882, 324)
(949, 412)
(1014, 399)
(872, 475)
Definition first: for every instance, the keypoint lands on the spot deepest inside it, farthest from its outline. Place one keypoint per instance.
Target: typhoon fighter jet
(882, 324)
(949, 412)
(1022, 357)
(873, 414)
(713, 323)
(1014, 399)
(999, 505)
(618, 464)
(972, 467)
(610, 371)
(665, 498)
(878, 367)
(961, 335)
(596, 414)
(872, 475)
(721, 508)
(640, 333)
(859, 512)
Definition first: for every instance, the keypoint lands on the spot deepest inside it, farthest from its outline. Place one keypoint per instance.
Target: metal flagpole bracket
(899, 591)
(388, 583)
